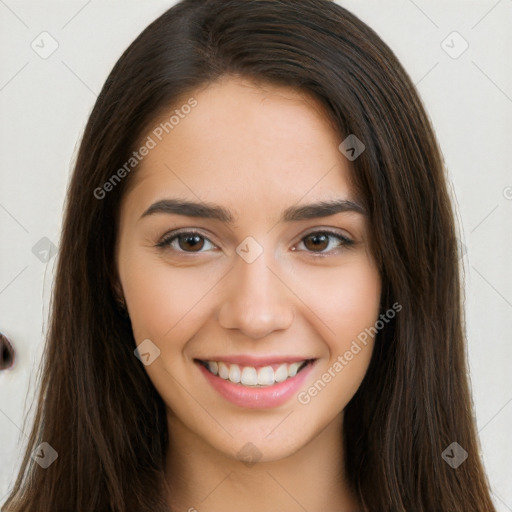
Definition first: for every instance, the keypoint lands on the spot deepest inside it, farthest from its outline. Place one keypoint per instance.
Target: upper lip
(247, 360)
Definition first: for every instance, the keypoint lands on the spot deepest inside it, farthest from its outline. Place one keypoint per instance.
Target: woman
(257, 304)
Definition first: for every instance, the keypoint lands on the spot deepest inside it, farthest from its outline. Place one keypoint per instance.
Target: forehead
(245, 144)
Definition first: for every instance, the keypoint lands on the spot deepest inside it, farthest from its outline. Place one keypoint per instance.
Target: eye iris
(318, 240)
(194, 241)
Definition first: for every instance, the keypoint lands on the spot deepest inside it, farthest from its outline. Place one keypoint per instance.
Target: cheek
(355, 305)
(163, 301)
(344, 304)
(342, 300)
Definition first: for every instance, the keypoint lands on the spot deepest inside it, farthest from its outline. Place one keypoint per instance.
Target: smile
(263, 385)
(253, 376)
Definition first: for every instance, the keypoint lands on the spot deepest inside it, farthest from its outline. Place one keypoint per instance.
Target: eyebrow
(291, 214)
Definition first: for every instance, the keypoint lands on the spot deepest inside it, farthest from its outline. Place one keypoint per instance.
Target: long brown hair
(97, 406)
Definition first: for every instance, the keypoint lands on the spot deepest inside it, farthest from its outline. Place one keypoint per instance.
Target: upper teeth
(250, 376)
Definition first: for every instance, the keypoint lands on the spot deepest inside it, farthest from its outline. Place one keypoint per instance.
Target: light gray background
(44, 104)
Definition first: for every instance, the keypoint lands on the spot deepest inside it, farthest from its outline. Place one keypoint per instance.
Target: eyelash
(170, 237)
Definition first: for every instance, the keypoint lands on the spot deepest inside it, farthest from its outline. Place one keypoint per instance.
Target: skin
(254, 149)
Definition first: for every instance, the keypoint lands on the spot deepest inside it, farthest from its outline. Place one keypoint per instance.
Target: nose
(256, 301)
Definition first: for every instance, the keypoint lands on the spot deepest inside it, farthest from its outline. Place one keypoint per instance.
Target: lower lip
(257, 397)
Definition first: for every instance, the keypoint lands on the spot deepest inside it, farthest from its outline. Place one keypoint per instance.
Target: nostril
(6, 353)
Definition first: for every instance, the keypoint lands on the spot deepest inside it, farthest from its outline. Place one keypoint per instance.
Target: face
(250, 281)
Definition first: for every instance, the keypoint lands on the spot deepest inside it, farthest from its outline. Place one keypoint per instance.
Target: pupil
(318, 240)
(193, 241)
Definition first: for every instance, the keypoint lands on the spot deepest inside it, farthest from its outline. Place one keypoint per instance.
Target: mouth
(255, 376)
(259, 385)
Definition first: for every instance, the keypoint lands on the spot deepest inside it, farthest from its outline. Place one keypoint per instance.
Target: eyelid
(165, 239)
(331, 231)
(346, 242)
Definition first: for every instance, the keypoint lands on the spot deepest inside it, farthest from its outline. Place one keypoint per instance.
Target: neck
(312, 478)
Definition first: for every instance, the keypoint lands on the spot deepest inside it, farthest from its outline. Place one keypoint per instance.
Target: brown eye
(319, 241)
(190, 242)
(185, 241)
(316, 241)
